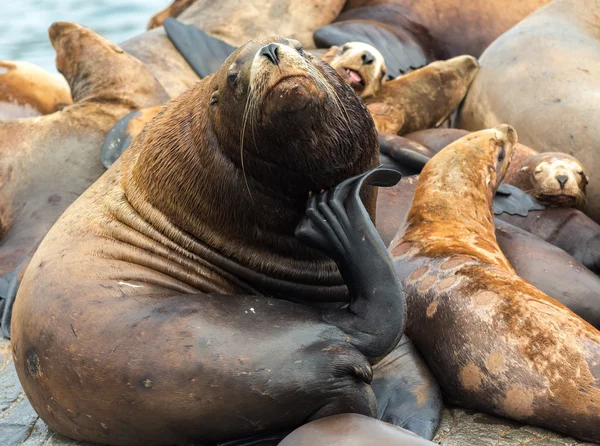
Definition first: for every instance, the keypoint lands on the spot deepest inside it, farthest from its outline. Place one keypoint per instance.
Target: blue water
(24, 23)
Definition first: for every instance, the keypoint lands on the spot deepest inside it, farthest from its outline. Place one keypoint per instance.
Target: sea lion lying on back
(188, 246)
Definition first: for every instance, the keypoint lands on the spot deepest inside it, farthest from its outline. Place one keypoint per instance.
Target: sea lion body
(545, 83)
(459, 27)
(423, 98)
(549, 268)
(177, 298)
(494, 341)
(47, 162)
(28, 91)
(351, 430)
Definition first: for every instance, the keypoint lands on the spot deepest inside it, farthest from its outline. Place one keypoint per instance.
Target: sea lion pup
(359, 64)
(235, 22)
(554, 178)
(173, 10)
(27, 90)
(351, 430)
(46, 162)
(186, 246)
(456, 26)
(461, 291)
(423, 98)
(529, 73)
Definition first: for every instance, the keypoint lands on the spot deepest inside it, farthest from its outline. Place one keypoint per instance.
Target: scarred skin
(172, 278)
(423, 98)
(494, 341)
(460, 27)
(47, 162)
(549, 268)
(27, 91)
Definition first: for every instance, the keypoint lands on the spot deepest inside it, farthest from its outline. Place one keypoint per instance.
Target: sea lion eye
(345, 48)
(580, 173)
(232, 78)
(300, 50)
(501, 155)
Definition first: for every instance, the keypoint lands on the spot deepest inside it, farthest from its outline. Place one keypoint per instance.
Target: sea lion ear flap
(524, 169)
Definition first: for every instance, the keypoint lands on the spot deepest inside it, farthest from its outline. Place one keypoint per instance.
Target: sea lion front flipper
(9, 285)
(204, 53)
(513, 201)
(409, 157)
(408, 395)
(338, 224)
(122, 134)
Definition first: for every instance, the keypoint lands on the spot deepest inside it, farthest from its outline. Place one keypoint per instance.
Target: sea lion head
(280, 111)
(554, 178)
(359, 64)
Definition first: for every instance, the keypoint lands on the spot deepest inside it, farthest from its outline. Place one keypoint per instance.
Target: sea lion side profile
(494, 341)
(48, 161)
(172, 280)
(27, 90)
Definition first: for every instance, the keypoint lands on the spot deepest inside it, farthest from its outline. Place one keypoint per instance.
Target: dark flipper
(117, 140)
(396, 152)
(513, 201)
(338, 224)
(9, 285)
(408, 395)
(204, 53)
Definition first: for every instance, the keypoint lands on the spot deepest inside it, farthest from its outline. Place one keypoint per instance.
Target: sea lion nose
(367, 58)
(270, 52)
(562, 180)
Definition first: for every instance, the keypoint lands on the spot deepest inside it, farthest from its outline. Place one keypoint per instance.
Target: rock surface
(20, 425)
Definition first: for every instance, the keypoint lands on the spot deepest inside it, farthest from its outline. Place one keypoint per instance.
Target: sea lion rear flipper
(408, 395)
(204, 53)
(513, 201)
(338, 224)
(9, 285)
(401, 154)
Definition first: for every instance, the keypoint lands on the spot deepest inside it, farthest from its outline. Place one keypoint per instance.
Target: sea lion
(173, 10)
(404, 44)
(549, 268)
(568, 229)
(554, 178)
(359, 64)
(545, 84)
(27, 90)
(351, 430)
(47, 162)
(462, 292)
(423, 98)
(458, 27)
(235, 23)
(185, 248)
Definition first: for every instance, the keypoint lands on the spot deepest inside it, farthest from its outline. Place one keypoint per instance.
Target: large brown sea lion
(457, 27)
(543, 76)
(494, 341)
(47, 162)
(169, 283)
(234, 22)
(27, 91)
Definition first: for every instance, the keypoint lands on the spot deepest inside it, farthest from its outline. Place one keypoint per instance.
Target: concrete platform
(20, 425)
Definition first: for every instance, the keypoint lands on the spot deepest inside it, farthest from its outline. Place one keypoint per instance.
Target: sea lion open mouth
(353, 77)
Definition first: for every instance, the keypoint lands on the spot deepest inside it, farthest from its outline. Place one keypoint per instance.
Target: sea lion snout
(367, 58)
(270, 52)
(562, 179)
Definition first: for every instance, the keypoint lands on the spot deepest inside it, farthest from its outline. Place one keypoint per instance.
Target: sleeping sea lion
(545, 83)
(494, 341)
(27, 90)
(48, 161)
(184, 267)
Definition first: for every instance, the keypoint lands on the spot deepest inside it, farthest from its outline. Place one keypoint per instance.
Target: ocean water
(24, 24)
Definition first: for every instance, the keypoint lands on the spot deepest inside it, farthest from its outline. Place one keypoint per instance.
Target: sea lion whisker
(243, 133)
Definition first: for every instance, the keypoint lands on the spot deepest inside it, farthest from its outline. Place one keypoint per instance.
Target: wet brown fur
(494, 341)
